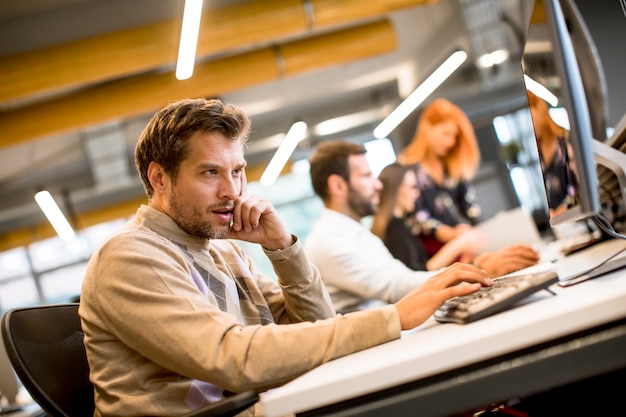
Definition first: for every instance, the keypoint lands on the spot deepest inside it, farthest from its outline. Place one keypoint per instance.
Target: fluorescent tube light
(296, 133)
(490, 59)
(346, 122)
(560, 117)
(420, 94)
(55, 216)
(540, 91)
(188, 39)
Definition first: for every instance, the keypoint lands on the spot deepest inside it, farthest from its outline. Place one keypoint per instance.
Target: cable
(623, 4)
(603, 223)
(602, 226)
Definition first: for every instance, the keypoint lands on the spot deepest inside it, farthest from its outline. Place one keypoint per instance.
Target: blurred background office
(79, 80)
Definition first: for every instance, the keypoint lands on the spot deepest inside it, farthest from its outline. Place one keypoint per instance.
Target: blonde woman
(445, 157)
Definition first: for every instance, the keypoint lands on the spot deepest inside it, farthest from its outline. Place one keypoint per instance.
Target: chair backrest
(45, 346)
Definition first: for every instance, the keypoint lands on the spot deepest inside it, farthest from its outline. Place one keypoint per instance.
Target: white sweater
(356, 266)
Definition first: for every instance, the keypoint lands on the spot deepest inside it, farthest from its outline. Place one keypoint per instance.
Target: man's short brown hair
(165, 138)
(330, 158)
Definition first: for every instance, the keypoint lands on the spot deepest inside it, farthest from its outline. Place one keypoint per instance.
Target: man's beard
(359, 204)
(195, 225)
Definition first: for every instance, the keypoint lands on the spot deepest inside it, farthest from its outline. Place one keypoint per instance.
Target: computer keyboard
(504, 292)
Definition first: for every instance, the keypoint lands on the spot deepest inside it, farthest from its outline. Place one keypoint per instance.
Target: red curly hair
(463, 160)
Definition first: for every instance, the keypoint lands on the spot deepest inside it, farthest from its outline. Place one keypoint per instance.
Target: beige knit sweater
(171, 321)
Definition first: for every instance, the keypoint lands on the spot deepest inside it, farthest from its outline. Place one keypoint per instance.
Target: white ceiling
(73, 163)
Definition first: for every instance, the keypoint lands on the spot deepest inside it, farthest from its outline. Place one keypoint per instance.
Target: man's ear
(157, 177)
(336, 185)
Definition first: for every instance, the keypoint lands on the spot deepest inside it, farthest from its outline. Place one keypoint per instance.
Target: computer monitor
(560, 55)
(556, 68)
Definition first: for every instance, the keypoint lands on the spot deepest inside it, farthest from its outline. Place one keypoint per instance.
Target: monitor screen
(550, 65)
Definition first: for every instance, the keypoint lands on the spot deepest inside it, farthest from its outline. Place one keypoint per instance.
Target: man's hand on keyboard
(421, 303)
(508, 259)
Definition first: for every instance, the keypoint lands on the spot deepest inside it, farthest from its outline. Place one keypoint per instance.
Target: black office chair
(45, 347)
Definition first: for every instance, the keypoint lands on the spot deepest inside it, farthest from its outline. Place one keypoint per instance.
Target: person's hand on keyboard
(508, 259)
(503, 294)
(457, 280)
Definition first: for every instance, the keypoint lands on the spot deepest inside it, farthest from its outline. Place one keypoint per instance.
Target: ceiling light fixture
(490, 59)
(540, 91)
(296, 133)
(188, 39)
(420, 94)
(345, 122)
(55, 216)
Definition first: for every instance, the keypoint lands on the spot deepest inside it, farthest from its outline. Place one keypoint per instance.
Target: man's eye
(237, 172)
(211, 171)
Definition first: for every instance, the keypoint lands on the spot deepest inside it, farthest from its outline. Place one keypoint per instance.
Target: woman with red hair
(445, 156)
(557, 165)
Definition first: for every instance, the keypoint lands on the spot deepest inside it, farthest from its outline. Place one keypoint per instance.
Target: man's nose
(229, 188)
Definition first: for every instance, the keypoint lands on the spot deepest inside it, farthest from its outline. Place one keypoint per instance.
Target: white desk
(29, 410)
(435, 349)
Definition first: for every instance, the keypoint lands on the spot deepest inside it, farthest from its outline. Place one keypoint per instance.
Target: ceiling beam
(145, 93)
(539, 13)
(61, 68)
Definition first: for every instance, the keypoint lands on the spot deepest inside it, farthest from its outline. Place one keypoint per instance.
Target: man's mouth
(225, 213)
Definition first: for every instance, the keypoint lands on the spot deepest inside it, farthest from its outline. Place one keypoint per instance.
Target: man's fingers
(461, 290)
(462, 272)
(244, 183)
(248, 211)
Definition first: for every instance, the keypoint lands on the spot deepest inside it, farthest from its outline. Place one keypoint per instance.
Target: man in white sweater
(175, 315)
(359, 271)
